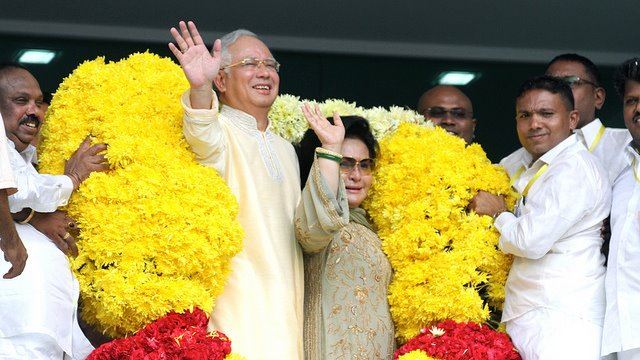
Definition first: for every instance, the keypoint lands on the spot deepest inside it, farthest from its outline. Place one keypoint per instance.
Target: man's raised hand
(199, 65)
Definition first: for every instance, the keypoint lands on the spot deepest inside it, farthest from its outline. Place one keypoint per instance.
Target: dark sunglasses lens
(437, 112)
(347, 163)
(458, 113)
(367, 165)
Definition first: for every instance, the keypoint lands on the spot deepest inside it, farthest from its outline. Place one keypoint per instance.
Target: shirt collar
(27, 154)
(549, 156)
(631, 152)
(589, 132)
(241, 118)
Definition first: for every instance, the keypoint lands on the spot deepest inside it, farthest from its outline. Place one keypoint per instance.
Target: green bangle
(335, 158)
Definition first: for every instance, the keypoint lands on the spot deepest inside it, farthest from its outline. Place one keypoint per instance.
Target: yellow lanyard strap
(635, 170)
(533, 179)
(596, 141)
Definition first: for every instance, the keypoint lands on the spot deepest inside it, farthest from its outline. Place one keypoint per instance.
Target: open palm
(199, 65)
(331, 135)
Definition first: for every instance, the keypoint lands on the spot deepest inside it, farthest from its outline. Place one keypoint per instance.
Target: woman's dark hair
(355, 127)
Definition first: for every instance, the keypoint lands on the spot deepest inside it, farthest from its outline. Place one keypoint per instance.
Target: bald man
(448, 107)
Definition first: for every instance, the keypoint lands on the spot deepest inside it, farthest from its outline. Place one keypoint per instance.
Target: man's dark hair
(355, 127)
(589, 66)
(629, 70)
(550, 84)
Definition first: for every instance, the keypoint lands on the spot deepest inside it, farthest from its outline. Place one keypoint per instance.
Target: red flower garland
(174, 336)
(462, 341)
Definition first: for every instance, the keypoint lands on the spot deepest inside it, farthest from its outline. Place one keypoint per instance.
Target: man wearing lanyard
(554, 305)
(621, 325)
(589, 96)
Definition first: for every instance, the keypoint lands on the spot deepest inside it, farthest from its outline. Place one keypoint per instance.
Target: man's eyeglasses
(438, 112)
(348, 164)
(573, 80)
(253, 63)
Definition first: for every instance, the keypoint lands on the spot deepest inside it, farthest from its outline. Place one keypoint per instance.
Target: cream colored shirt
(6, 175)
(622, 319)
(608, 147)
(555, 233)
(260, 308)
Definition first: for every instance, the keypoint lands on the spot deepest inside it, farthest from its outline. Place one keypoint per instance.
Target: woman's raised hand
(331, 135)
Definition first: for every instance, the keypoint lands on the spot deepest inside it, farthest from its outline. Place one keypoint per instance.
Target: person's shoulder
(618, 136)
(580, 164)
(514, 160)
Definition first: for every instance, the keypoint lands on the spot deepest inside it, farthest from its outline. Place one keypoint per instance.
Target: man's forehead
(19, 81)
(539, 99)
(447, 99)
(567, 68)
(249, 46)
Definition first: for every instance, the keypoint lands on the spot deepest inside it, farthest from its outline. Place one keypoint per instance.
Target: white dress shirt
(607, 144)
(6, 175)
(40, 192)
(43, 300)
(555, 235)
(622, 319)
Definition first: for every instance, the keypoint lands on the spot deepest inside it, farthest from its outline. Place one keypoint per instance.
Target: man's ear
(574, 118)
(220, 81)
(600, 95)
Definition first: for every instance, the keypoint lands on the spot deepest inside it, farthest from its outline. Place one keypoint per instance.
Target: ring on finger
(66, 236)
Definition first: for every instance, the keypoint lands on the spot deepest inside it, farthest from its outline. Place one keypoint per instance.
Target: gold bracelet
(28, 218)
(329, 155)
(321, 150)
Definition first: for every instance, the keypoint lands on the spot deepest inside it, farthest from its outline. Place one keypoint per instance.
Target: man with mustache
(38, 309)
(621, 331)
(260, 308)
(448, 107)
(10, 243)
(554, 305)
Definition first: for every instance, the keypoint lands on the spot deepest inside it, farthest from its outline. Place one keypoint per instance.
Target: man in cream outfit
(260, 308)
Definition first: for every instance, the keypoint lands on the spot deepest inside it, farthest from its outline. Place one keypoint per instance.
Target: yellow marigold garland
(288, 121)
(442, 255)
(158, 231)
(416, 355)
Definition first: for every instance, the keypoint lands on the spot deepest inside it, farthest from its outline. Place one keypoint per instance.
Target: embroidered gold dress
(346, 279)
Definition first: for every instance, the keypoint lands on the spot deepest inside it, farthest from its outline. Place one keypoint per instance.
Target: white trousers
(546, 334)
(30, 346)
(633, 354)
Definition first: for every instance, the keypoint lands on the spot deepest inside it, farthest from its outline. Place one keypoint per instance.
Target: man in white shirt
(589, 96)
(622, 319)
(38, 309)
(554, 304)
(448, 107)
(260, 308)
(10, 244)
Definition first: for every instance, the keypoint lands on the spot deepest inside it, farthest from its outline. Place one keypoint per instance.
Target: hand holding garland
(85, 160)
(485, 203)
